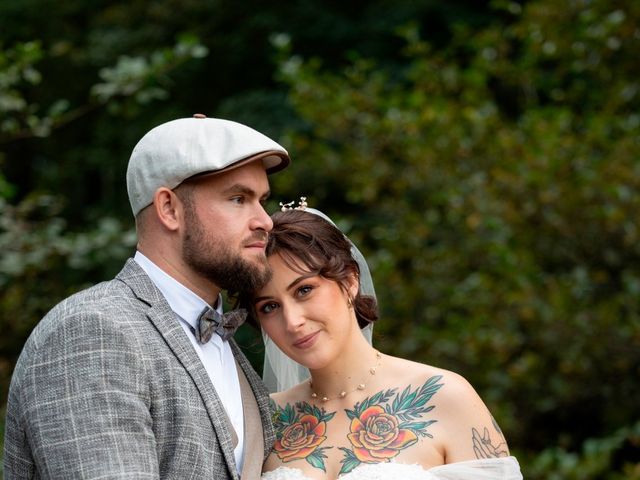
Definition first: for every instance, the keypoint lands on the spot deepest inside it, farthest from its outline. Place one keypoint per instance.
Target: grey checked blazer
(109, 386)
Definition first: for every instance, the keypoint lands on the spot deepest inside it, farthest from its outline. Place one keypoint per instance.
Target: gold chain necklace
(344, 393)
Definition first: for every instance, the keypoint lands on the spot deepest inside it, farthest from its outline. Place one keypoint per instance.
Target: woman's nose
(293, 318)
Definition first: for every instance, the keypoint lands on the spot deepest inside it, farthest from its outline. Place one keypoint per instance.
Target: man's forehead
(249, 180)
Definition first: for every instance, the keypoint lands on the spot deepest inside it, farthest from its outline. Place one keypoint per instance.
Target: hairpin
(302, 205)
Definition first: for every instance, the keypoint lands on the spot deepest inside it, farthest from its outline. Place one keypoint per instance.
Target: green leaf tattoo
(300, 430)
(349, 462)
(380, 428)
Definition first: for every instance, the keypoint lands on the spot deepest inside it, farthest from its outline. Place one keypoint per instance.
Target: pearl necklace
(344, 393)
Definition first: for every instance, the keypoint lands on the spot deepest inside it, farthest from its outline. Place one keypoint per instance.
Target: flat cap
(177, 150)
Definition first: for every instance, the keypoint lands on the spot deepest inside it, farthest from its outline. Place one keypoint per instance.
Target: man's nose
(261, 220)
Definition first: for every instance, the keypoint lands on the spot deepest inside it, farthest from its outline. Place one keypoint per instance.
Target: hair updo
(307, 243)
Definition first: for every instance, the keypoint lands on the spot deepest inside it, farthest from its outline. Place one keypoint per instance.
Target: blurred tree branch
(140, 79)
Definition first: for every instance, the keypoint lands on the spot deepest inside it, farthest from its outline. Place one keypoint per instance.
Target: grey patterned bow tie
(225, 325)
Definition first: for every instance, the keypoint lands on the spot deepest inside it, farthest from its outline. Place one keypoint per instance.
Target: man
(127, 379)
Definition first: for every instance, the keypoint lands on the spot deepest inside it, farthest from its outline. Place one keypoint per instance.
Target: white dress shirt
(216, 355)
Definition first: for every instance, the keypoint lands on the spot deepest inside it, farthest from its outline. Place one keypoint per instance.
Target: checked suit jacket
(109, 386)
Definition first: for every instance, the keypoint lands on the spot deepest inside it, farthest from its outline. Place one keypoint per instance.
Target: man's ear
(168, 208)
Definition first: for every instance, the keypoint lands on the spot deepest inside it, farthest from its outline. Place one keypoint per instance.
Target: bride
(361, 414)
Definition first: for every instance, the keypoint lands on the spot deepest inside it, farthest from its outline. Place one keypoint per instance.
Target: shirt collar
(182, 301)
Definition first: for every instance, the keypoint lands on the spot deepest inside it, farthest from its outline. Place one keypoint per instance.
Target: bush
(495, 187)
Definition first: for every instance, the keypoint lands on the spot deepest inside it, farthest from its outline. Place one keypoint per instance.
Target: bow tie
(225, 325)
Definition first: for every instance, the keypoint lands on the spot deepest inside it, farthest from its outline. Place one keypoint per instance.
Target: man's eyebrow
(240, 188)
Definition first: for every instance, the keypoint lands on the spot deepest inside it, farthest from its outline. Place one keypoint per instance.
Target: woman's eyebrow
(299, 279)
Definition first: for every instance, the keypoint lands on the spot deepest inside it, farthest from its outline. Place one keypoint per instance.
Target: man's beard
(217, 262)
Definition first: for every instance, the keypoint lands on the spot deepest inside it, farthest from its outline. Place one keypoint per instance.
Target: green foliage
(134, 75)
(132, 81)
(495, 185)
(595, 460)
(17, 70)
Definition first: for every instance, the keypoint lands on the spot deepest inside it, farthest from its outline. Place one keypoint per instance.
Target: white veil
(280, 372)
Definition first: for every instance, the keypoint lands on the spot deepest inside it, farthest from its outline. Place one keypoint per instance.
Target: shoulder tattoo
(486, 447)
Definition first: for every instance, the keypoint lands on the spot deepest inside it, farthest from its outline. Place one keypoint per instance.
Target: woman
(361, 414)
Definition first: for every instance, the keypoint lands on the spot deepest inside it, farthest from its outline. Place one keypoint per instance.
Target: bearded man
(138, 377)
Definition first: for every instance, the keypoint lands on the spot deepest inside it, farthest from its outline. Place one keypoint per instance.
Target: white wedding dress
(506, 468)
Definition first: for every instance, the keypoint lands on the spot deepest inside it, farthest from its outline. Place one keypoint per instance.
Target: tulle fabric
(486, 469)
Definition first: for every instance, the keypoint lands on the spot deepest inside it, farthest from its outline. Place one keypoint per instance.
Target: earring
(349, 302)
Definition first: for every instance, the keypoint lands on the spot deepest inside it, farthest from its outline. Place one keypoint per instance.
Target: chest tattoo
(381, 426)
(300, 430)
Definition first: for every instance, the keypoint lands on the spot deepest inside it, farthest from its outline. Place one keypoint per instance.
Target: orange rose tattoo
(300, 432)
(376, 436)
(300, 439)
(382, 428)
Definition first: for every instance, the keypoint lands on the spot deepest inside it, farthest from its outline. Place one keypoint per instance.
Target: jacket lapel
(168, 325)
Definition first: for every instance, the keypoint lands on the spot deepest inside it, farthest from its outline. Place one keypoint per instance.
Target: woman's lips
(306, 342)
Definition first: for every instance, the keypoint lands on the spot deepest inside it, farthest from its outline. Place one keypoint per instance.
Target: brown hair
(307, 243)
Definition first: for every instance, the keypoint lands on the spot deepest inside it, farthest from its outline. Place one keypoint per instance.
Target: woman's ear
(353, 285)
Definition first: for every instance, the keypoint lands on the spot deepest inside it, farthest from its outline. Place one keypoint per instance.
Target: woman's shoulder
(448, 390)
(464, 424)
(455, 394)
(408, 372)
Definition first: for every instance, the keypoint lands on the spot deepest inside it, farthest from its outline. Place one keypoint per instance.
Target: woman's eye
(268, 307)
(304, 290)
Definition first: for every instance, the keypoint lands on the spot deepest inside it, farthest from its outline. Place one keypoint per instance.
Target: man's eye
(237, 199)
